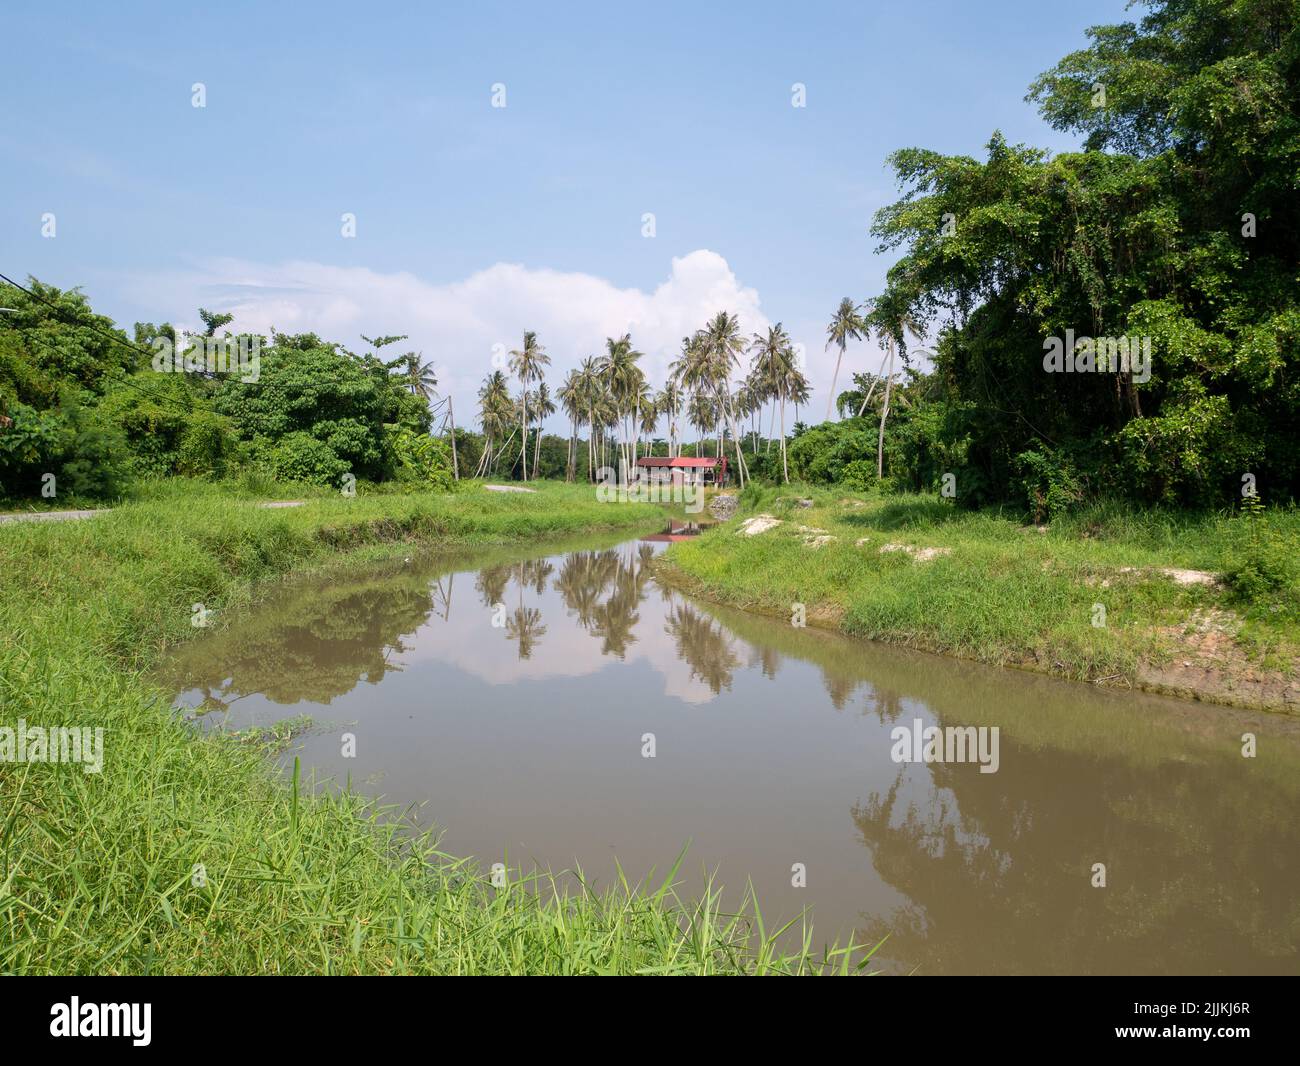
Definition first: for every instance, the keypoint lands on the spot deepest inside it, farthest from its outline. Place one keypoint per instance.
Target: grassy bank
(188, 855)
(1206, 606)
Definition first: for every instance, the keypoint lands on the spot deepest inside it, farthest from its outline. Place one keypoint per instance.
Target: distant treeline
(85, 409)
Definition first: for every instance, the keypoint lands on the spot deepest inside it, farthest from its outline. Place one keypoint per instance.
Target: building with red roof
(684, 469)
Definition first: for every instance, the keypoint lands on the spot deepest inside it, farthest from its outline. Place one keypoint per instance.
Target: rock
(723, 508)
(814, 537)
(1189, 577)
(921, 555)
(751, 527)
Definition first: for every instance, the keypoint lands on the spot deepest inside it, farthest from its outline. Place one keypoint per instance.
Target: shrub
(299, 456)
(1263, 562)
(1051, 482)
(420, 459)
(859, 474)
(94, 461)
(207, 447)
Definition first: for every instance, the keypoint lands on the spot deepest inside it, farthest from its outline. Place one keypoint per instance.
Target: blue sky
(473, 222)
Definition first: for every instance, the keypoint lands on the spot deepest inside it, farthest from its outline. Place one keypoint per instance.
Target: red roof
(678, 460)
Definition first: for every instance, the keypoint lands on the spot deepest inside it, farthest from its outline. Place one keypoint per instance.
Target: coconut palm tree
(696, 368)
(895, 328)
(669, 403)
(702, 414)
(625, 383)
(543, 408)
(746, 402)
(495, 411)
(649, 420)
(774, 360)
(641, 403)
(570, 396)
(847, 324)
(594, 404)
(420, 378)
(526, 364)
(723, 346)
(800, 391)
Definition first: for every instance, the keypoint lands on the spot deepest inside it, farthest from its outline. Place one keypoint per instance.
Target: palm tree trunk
(537, 451)
(879, 375)
(742, 471)
(884, 413)
(523, 428)
(785, 469)
(830, 400)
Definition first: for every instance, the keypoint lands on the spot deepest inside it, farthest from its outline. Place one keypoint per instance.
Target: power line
(94, 328)
(89, 325)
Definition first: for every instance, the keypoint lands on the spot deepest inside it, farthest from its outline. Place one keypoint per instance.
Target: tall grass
(188, 854)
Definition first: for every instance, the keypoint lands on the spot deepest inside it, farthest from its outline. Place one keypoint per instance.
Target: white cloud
(456, 325)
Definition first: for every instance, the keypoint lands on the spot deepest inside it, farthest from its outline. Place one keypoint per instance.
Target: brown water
(510, 694)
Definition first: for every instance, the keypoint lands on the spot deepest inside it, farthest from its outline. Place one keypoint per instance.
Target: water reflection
(703, 645)
(773, 748)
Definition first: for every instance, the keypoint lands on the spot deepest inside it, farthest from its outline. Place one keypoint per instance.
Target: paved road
(49, 516)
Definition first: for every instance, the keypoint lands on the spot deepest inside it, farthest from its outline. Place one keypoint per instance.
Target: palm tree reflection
(703, 645)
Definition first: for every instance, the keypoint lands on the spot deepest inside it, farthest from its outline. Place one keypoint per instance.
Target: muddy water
(511, 697)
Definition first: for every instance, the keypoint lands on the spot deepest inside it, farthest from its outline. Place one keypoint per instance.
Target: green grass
(98, 872)
(1008, 594)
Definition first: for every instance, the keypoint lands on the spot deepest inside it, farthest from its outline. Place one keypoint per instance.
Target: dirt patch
(1207, 663)
(921, 555)
(1187, 578)
(1179, 577)
(507, 488)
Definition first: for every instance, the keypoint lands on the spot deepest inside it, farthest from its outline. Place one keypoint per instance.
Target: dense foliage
(1179, 223)
(84, 411)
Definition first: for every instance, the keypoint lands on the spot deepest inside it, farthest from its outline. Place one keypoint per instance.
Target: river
(555, 707)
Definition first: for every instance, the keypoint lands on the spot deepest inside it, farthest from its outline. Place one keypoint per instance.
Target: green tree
(527, 364)
(846, 325)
